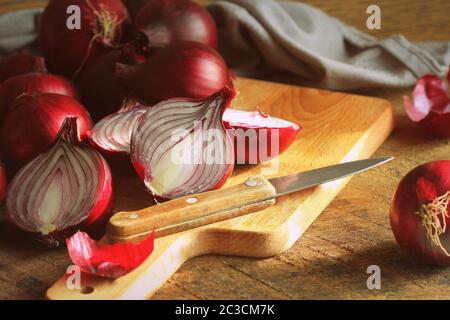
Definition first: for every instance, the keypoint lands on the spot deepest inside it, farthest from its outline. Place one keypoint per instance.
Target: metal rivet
(251, 183)
(133, 216)
(191, 200)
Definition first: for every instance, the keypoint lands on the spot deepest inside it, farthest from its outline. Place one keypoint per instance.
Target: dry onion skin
(181, 147)
(430, 107)
(63, 189)
(108, 260)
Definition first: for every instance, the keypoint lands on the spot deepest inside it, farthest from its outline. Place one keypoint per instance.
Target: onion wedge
(259, 137)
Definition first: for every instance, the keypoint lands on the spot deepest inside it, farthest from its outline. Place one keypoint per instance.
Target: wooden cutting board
(338, 127)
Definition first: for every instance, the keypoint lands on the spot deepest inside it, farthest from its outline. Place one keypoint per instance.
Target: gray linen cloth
(18, 30)
(260, 38)
(290, 41)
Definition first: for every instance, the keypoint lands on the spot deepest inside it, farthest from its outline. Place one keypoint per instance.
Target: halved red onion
(181, 147)
(431, 106)
(112, 134)
(63, 189)
(259, 137)
(109, 261)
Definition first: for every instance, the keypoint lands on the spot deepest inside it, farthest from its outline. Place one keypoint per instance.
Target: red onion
(420, 212)
(20, 63)
(32, 82)
(181, 147)
(431, 107)
(110, 261)
(112, 135)
(3, 182)
(34, 122)
(69, 51)
(102, 92)
(171, 21)
(65, 188)
(188, 70)
(259, 137)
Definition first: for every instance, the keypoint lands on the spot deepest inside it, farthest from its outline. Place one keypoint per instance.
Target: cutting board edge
(326, 91)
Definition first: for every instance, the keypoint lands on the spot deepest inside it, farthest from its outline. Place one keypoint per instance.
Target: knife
(194, 211)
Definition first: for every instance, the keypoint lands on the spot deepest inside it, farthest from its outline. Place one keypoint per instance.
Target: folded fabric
(261, 38)
(291, 42)
(18, 29)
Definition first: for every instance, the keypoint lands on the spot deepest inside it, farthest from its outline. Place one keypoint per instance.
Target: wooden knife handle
(192, 211)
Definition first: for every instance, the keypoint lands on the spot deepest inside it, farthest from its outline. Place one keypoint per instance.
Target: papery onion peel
(108, 260)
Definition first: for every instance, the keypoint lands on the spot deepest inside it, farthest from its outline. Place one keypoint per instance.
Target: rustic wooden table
(331, 259)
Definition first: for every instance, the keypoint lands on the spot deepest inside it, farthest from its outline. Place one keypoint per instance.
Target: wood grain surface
(352, 233)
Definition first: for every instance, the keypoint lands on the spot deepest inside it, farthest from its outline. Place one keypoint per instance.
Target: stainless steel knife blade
(304, 180)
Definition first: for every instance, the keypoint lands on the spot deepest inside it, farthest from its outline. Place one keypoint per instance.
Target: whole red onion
(33, 82)
(69, 51)
(186, 69)
(171, 21)
(34, 122)
(20, 63)
(420, 212)
(101, 91)
(63, 189)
